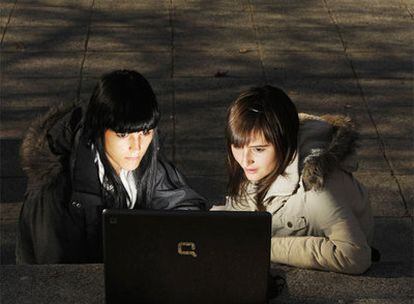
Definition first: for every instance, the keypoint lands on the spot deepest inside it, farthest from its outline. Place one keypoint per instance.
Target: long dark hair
(263, 110)
(123, 101)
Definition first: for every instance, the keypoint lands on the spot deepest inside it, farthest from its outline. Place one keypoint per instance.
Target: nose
(135, 141)
(247, 158)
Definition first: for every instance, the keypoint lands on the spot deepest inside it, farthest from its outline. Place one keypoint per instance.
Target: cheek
(115, 148)
(270, 161)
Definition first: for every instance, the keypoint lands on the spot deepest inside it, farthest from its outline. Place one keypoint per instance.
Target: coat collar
(324, 143)
(285, 184)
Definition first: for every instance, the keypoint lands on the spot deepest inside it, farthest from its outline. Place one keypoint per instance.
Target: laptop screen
(186, 256)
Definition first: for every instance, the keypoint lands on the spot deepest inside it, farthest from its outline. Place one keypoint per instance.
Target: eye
(122, 135)
(258, 150)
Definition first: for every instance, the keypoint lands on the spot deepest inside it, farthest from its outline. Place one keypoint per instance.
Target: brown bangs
(246, 125)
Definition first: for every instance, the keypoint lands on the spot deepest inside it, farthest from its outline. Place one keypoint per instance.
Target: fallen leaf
(220, 73)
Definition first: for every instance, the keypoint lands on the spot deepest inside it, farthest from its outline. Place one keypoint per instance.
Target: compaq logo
(187, 248)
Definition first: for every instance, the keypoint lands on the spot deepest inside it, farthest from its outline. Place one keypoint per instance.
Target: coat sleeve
(343, 245)
(41, 234)
(47, 233)
(173, 192)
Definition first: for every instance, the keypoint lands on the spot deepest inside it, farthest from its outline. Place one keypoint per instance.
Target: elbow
(357, 261)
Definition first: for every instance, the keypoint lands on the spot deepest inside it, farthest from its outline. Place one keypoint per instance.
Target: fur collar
(325, 143)
(38, 162)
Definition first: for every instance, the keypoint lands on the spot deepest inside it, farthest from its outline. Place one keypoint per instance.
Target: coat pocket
(296, 225)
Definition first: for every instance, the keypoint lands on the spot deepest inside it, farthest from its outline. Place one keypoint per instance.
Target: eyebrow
(259, 146)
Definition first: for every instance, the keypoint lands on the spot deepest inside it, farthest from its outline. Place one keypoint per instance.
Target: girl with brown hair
(299, 168)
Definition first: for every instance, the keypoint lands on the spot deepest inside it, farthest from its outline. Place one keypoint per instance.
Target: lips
(250, 171)
(132, 158)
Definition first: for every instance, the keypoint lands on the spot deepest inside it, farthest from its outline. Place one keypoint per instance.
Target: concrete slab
(129, 14)
(305, 39)
(369, 13)
(394, 237)
(406, 182)
(395, 122)
(360, 38)
(130, 39)
(205, 92)
(207, 160)
(291, 14)
(215, 18)
(12, 130)
(370, 156)
(221, 63)
(9, 214)
(393, 64)
(35, 93)
(14, 123)
(12, 189)
(400, 153)
(384, 194)
(6, 8)
(41, 64)
(323, 95)
(360, 115)
(206, 124)
(188, 37)
(10, 159)
(131, 5)
(24, 99)
(213, 188)
(45, 38)
(381, 93)
(150, 64)
(298, 65)
(87, 284)
(306, 286)
(33, 15)
(74, 3)
(214, 5)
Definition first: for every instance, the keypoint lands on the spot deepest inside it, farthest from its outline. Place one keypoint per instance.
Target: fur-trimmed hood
(324, 143)
(39, 162)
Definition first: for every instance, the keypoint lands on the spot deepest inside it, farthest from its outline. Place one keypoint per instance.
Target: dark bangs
(124, 102)
(131, 113)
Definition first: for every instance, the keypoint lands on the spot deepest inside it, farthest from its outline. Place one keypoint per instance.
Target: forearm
(321, 253)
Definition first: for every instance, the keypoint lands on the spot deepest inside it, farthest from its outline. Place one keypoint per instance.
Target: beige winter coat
(321, 214)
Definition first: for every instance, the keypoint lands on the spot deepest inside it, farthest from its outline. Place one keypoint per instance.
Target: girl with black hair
(299, 168)
(83, 158)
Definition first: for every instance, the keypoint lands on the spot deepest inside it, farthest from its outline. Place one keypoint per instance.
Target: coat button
(76, 204)
(289, 224)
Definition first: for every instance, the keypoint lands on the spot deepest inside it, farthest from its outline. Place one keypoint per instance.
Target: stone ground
(331, 56)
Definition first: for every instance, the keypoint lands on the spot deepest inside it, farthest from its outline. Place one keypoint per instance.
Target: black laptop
(186, 256)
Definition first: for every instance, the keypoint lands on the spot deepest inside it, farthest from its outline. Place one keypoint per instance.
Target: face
(126, 150)
(257, 159)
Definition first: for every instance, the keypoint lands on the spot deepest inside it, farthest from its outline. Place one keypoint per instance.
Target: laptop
(186, 256)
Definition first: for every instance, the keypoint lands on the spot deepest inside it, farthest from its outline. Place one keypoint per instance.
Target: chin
(130, 168)
(253, 178)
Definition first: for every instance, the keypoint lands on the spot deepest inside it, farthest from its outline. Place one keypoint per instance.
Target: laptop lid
(186, 256)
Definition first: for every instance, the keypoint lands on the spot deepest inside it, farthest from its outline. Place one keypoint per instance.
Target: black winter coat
(60, 220)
